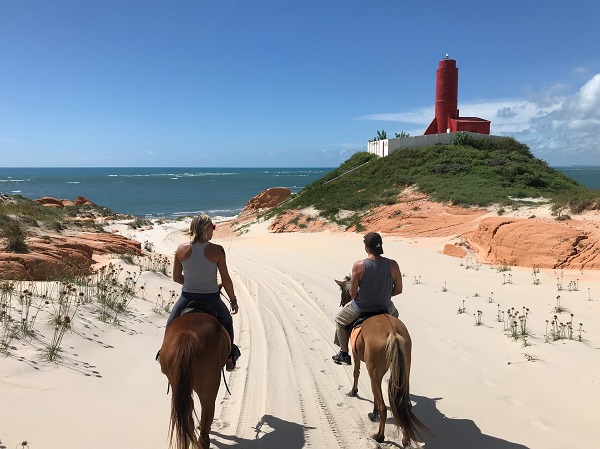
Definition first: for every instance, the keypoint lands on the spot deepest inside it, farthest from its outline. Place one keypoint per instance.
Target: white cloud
(569, 134)
(560, 128)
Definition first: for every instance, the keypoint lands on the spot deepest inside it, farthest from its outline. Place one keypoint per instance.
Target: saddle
(364, 316)
(200, 307)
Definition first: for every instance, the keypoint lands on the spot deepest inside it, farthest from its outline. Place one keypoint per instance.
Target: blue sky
(279, 83)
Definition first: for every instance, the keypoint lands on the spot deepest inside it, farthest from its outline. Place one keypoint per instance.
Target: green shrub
(127, 257)
(55, 225)
(577, 200)
(139, 223)
(15, 238)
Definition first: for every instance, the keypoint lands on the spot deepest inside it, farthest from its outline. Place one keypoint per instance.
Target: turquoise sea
(157, 192)
(174, 192)
(587, 175)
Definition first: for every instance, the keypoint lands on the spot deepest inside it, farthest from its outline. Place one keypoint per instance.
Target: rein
(225, 296)
(225, 381)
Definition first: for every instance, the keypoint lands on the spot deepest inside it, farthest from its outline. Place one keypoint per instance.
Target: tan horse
(194, 351)
(384, 344)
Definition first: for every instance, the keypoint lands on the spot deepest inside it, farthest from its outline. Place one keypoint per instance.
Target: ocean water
(157, 192)
(589, 176)
(174, 192)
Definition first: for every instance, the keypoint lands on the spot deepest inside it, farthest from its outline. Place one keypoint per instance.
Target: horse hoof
(353, 393)
(373, 417)
(378, 438)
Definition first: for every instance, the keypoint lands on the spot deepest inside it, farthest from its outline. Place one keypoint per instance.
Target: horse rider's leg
(345, 317)
(224, 315)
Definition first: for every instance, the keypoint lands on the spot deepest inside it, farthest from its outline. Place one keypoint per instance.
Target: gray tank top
(375, 288)
(199, 273)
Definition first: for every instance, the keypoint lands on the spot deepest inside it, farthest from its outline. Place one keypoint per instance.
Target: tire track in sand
(239, 412)
(301, 388)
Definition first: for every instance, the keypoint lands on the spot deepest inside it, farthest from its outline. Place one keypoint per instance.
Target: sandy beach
(471, 383)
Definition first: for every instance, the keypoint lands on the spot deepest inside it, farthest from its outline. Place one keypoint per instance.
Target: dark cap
(374, 242)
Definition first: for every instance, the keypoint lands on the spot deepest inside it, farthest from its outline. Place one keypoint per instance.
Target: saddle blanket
(354, 335)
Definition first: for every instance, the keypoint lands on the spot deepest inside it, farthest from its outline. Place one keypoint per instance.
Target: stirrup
(341, 359)
(233, 356)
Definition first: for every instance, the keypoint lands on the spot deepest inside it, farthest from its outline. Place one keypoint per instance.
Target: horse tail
(398, 388)
(182, 400)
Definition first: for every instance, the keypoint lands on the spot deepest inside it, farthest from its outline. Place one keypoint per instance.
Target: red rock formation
(267, 198)
(59, 204)
(528, 242)
(415, 216)
(51, 202)
(82, 200)
(108, 243)
(546, 243)
(60, 256)
(454, 251)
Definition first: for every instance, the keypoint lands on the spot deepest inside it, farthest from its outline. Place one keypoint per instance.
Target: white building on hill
(385, 147)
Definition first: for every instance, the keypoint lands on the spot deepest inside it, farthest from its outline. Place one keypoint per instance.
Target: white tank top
(199, 273)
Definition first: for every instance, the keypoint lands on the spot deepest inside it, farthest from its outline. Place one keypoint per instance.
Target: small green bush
(139, 223)
(15, 238)
(55, 225)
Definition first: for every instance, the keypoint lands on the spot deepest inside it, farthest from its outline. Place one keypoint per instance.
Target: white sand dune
(472, 385)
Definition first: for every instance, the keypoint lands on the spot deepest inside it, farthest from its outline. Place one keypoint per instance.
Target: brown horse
(384, 344)
(194, 351)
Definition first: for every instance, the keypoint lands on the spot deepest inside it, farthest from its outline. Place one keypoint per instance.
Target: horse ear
(340, 283)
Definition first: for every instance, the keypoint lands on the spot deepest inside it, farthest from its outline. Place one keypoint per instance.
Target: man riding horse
(374, 281)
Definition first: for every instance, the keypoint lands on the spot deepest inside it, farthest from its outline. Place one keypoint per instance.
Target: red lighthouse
(446, 104)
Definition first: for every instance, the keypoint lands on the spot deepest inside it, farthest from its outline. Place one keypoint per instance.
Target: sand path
(472, 385)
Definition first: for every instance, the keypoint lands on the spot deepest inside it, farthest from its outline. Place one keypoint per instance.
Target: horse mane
(345, 287)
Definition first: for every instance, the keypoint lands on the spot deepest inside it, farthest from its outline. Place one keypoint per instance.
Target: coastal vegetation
(106, 293)
(21, 217)
(470, 172)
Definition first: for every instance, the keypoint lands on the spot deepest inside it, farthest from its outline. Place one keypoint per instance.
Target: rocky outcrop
(414, 215)
(529, 242)
(60, 256)
(454, 251)
(60, 204)
(541, 242)
(267, 198)
(50, 202)
(83, 201)
(108, 243)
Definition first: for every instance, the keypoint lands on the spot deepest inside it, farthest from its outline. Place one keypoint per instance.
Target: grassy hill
(470, 172)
